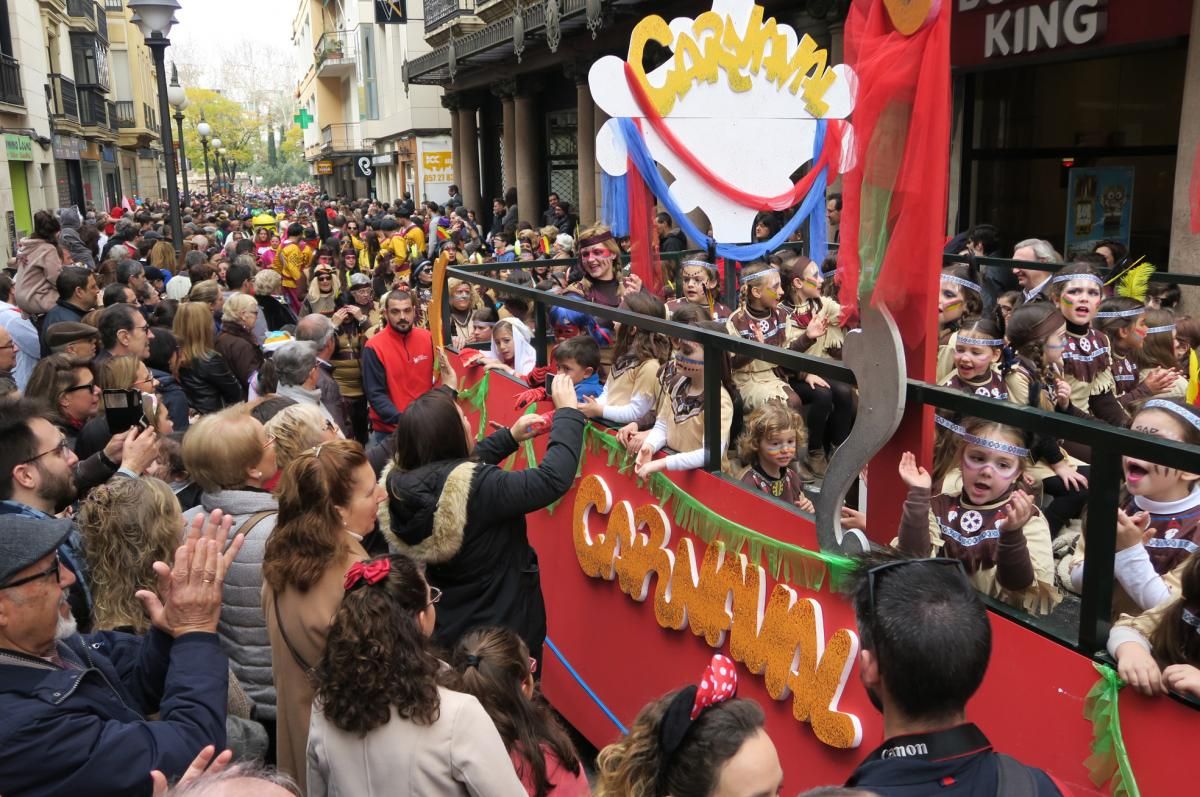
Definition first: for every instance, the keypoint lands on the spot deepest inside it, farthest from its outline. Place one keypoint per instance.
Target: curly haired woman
(381, 724)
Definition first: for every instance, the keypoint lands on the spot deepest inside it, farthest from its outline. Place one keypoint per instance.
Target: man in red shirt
(397, 364)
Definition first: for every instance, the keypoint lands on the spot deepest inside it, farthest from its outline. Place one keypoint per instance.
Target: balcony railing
(114, 5)
(82, 8)
(93, 108)
(336, 47)
(101, 23)
(345, 137)
(124, 114)
(439, 12)
(10, 80)
(64, 99)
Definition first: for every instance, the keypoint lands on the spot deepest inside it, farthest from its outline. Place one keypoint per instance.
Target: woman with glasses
(323, 293)
(127, 372)
(68, 389)
(328, 502)
(382, 724)
(203, 370)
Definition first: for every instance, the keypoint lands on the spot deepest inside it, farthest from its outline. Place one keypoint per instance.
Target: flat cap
(65, 332)
(24, 540)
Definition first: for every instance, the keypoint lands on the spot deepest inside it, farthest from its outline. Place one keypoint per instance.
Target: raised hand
(203, 762)
(189, 592)
(1017, 512)
(1132, 529)
(912, 473)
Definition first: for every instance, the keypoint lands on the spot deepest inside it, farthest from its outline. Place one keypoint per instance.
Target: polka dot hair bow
(718, 684)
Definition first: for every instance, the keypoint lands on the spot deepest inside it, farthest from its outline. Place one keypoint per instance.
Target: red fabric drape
(894, 199)
(643, 235)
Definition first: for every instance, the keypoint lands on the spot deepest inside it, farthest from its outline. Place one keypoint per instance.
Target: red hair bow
(371, 572)
(718, 684)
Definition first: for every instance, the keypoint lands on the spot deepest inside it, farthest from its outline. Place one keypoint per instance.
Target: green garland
(785, 561)
(476, 396)
(1109, 760)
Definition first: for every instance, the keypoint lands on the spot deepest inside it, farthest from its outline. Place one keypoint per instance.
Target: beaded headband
(1169, 406)
(983, 442)
(966, 283)
(701, 263)
(1130, 313)
(766, 272)
(966, 341)
(1071, 277)
(595, 239)
(1164, 328)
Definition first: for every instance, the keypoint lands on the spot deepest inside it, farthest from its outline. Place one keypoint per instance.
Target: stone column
(586, 151)
(528, 160)
(450, 103)
(1185, 222)
(468, 181)
(509, 140)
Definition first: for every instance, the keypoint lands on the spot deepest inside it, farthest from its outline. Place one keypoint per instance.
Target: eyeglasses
(89, 387)
(270, 442)
(58, 449)
(9, 345)
(874, 573)
(435, 595)
(53, 570)
(147, 380)
(142, 328)
(324, 277)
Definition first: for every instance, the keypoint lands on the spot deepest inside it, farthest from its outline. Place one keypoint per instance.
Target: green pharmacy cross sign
(303, 118)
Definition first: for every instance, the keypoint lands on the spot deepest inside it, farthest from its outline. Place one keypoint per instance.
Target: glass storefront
(1027, 126)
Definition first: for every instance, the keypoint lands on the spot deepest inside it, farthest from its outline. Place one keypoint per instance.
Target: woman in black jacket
(463, 516)
(206, 378)
(164, 364)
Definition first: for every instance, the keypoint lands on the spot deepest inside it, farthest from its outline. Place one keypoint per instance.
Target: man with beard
(73, 709)
(397, 364)
(925, 643)
(39, 475)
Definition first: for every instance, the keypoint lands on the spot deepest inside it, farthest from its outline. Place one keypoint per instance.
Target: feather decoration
(1135, 281)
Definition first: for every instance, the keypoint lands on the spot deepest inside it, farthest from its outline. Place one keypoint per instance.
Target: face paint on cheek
(809, 282)
(955, 305)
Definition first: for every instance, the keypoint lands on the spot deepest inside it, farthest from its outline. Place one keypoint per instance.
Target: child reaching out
(1158, 524)
(632, 386)
(511, 351)
(769, 443)
(1160, 649)
(680, 417)
(994, 529)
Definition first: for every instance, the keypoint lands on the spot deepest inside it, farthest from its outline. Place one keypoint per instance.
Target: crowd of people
(238, 495)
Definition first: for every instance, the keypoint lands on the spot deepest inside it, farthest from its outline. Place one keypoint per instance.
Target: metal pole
(187, 200)
(158, 45)
(207, 182)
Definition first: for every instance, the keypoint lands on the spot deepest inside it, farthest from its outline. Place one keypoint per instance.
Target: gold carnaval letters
(784, 641)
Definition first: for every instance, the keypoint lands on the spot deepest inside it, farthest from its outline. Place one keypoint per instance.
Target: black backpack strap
(1014, 779)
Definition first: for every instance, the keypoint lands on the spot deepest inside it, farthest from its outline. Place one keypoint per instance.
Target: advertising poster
(1099, 207)
(437, 169)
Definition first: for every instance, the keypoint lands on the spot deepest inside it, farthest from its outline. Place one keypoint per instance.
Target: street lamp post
(216, 145)
(178, 99)
(155, 18)
(225, 169)
(205, 131)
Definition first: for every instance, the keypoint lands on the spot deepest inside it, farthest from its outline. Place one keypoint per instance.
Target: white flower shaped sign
(741, 93)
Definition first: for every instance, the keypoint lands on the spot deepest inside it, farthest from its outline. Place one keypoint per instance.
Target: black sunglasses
(53, 570)
(874, 572)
